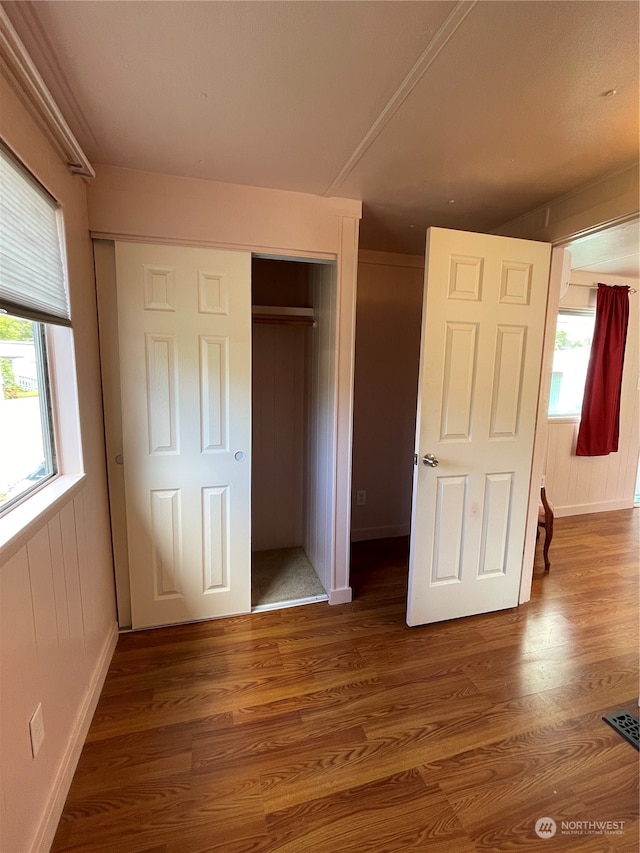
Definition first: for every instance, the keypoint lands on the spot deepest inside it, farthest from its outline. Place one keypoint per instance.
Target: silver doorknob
(431, 460)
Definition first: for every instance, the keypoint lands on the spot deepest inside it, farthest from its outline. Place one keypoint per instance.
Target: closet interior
(293, 412)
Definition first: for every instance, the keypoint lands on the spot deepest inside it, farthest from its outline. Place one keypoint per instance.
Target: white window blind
(32, 283)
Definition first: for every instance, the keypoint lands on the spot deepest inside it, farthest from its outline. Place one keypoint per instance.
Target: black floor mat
(626, 725)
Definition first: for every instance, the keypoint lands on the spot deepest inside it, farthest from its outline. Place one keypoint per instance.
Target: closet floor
(283, 576)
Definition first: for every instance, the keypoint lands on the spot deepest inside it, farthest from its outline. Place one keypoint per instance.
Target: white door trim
(542, 426)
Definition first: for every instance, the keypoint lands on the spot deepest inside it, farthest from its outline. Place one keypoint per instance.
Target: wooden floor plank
(336, 729)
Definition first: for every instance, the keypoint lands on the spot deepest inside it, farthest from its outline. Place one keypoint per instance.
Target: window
(574, 331)
(27, 448)
(32, 297)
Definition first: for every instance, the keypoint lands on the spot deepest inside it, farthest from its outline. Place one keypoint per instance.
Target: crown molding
(607, 200)
(17, 66)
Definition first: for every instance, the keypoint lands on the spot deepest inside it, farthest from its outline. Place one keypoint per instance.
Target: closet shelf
(284, 316)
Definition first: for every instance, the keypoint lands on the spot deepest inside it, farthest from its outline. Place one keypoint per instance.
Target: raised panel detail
(465, 278)
(212, 294)
(165, 543)
(507, 381)
(214, 393)
(495, 524)
(459, 371)
(159, 288)
(161, 393)
(515, 283)
(447, 545)
(215, 539)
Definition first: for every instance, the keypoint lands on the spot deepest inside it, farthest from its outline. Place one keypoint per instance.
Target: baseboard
(389, 531)
(341, 596)
(586, 509)
(51, 817)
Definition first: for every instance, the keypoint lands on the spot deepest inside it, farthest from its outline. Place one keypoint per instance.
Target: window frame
(20, 520)
(567, 417)
(46, 409)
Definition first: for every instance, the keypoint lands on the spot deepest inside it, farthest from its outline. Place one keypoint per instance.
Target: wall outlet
(36, 729)
(361, 497)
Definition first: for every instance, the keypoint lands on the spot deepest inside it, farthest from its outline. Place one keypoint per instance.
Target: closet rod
(595, 286)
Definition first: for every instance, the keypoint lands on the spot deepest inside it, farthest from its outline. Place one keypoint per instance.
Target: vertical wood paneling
(18, 659)
(88, 592)
(278, 436)
(59, 586)
(287, 445)
(42, 591)
(47, 599)
(72, 579)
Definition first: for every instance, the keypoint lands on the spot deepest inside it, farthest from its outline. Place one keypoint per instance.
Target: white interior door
(482, 332)
(184, 323)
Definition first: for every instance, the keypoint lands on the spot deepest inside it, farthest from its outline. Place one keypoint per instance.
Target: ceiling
(613, 251)
(462, 115)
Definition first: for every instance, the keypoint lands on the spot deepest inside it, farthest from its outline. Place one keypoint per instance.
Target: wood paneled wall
(57, 608)
(278, 395)
(52, 656)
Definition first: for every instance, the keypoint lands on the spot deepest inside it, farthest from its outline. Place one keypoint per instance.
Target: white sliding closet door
(184, 323)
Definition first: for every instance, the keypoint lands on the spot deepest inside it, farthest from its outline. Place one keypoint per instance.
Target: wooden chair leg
(548, 527)
(548, 536)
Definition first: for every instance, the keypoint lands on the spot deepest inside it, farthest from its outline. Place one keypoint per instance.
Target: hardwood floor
(328, 729)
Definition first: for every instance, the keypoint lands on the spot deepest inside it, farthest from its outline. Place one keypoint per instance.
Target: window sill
(564, 419)
(24, 520)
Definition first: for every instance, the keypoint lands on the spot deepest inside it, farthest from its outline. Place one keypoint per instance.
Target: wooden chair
(545, 519)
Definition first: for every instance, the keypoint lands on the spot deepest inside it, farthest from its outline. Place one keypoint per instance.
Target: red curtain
(600, 421)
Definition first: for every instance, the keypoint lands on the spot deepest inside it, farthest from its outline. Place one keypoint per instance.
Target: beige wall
(57, 597)
(388, 320)
(145, 206)
(578, 484)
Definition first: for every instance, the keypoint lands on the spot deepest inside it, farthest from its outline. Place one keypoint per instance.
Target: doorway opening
(293, 416)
